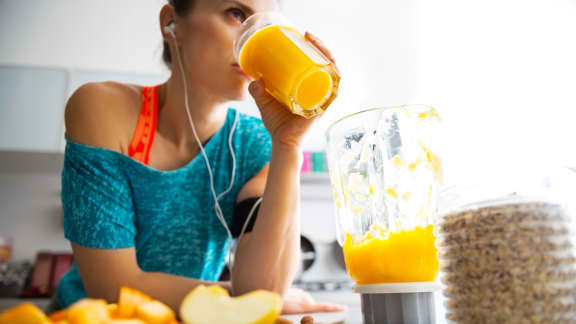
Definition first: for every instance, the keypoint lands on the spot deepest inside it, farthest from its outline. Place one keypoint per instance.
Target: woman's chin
(240, 94)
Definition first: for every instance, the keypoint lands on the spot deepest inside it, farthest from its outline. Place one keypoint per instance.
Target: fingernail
(254, 86)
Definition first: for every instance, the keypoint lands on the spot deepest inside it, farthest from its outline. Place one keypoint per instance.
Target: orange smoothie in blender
(294, 71)
(382, 256)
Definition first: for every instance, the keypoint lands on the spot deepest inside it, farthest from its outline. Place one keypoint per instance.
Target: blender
(385, 176)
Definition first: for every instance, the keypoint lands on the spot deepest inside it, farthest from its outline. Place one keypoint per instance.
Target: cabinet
(31, 107)
(32, 101)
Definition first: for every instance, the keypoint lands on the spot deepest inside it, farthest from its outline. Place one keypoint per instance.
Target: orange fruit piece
(128, 301)
(58, 316)
(88, 311)
(155, 312)
(26, 313)
(112, 310)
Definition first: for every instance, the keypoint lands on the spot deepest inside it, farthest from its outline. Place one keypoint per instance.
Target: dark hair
(182, 7)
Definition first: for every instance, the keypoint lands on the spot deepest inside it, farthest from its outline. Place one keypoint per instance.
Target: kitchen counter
(353, 314)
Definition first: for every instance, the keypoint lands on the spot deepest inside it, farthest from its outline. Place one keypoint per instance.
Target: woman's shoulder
(103, 114)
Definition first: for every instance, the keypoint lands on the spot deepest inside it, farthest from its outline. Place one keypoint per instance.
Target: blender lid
(398, 288)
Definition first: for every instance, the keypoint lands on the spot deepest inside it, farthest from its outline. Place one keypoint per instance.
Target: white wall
(102, 35)
(503, 75)
(30, 213)
(376, 46)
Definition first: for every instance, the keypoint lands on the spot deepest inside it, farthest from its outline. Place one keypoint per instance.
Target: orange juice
(294, 71)
(384, 257)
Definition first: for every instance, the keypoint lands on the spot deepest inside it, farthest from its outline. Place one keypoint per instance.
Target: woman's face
(206, 38)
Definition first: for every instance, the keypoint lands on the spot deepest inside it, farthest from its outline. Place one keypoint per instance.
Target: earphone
(169, 29)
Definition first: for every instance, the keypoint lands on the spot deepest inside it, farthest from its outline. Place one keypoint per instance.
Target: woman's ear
(167, 18)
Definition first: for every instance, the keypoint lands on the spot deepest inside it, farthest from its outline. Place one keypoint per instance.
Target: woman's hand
(285, 127)
(298, 301)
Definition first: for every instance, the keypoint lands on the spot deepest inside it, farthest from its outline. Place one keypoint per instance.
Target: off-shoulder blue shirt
(111, 201)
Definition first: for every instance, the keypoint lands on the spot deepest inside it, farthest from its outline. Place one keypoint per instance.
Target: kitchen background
(502, 74)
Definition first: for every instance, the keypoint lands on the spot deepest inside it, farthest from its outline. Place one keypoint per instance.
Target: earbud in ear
(170, 29)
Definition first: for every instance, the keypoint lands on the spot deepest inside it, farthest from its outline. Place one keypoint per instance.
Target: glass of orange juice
(385, 173)
(294, 71)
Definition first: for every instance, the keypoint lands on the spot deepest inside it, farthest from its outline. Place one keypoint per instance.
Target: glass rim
(249, 28)
(385, 108)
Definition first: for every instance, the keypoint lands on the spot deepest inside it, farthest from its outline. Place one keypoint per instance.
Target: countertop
(353, 314)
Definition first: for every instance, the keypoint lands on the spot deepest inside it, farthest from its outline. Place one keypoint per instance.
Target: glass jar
(385, 175)
(294, 71)
(507, 257)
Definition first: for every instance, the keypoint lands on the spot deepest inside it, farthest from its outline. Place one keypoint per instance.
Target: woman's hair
(182, 7)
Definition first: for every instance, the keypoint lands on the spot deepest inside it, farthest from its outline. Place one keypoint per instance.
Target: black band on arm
(241, 213)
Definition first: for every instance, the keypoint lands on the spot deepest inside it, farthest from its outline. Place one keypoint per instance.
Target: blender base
(398, 303)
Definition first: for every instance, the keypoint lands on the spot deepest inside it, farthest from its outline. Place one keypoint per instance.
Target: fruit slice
(127, 321)
(26, 313)
(208, 305)
(155, 312)
(128, 301)
(112, 310)
(88, 311)
(59, 316)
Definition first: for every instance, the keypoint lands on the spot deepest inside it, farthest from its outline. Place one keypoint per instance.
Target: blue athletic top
(111, 201)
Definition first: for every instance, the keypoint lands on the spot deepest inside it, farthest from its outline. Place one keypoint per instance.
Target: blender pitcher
(385, 176)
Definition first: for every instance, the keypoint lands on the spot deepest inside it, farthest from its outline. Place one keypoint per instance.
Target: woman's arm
(97, 115)
(268, 257)
(103, 272)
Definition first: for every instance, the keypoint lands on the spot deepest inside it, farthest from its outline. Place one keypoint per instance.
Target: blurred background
(501, 73)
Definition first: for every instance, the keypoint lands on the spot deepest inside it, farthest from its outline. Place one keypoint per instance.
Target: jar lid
(555, 185)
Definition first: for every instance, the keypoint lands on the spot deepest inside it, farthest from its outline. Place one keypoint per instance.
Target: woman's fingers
(322, 308)
(259, 94)
(318, 43)
(326, 307)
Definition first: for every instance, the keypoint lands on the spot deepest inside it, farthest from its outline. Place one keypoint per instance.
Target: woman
(137, 193)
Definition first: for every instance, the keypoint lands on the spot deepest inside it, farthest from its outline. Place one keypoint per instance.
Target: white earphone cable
(250, 216)
(233, 159)
(219, 213)
(218, 209)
